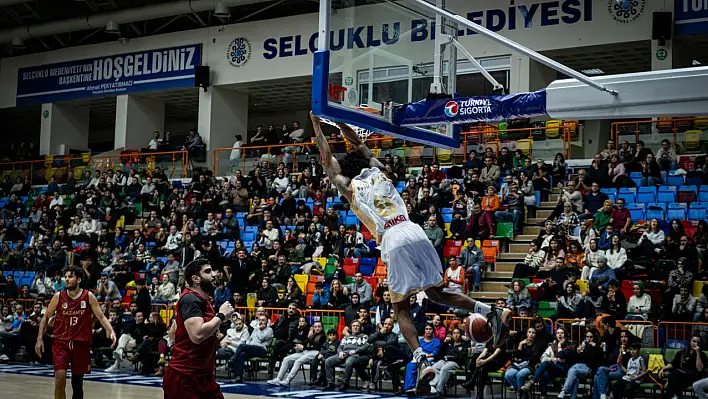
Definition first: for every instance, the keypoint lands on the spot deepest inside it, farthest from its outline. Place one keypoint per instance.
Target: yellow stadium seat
(444, 156)
(582, 285)
(698, 287)
(301, 280)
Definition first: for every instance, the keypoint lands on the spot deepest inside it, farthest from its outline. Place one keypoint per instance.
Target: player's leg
(60, 384)
(402, 313)
(77, 386)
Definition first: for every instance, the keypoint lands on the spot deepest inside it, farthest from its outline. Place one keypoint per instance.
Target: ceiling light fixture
(113, 28)
(18, 43)
(222, 10)
(593, 71)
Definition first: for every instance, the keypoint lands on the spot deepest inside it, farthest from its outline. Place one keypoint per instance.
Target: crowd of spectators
(262, 228)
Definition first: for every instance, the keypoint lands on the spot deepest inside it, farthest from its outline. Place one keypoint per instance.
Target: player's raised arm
(102, 318)
(329, 162)
(356, 141)
(51, 308)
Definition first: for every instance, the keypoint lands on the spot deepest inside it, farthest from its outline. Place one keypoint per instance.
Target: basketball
(477, 329)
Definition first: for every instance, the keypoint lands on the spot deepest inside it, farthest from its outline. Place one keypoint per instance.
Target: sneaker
(4, 358)
(527, 386)
(274, 381)
(285, 383)
(603, 396)
(424, 377)
(561, 394)
(118, 354)
(496, 319)
(433, 391)
(113, 369)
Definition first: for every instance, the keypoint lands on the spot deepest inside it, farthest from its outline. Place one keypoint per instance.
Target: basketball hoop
(361, 132)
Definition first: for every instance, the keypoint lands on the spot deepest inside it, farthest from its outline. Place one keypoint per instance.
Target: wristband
(221, 317)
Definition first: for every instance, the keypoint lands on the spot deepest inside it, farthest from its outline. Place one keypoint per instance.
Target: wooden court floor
(32, 387)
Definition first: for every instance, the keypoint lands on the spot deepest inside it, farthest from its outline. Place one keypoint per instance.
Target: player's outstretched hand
(226, 309)
(315, 119)
(39, 348)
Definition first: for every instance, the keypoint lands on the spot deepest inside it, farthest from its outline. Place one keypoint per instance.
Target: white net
(360, 131)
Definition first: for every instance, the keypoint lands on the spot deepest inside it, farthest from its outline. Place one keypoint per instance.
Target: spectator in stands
(575, 256)
(683, 306)
(451, 356)
(594, 201)
(532, 262)
(132, 335)
(686, 253)
(518, 296)
(587, 361)
(348, 356)
(651, 172)
(472, 161)
(454, 276)
(514, 202)
(107, 290)
(431, 347)
(434, 233)
(490, 173)
(669, 153)
(616, 255)
(553, 362)
(639, 305)
(42, 285)
(491, 201)
(236, 335)
(472, 261)
(481, 222)
(304, 352)
(621, 219)
(361, 287)
(524, 360)
(458, 227)
(267, 294)
(616, 171)
(605, 241)
(691, 362)
(256, 346)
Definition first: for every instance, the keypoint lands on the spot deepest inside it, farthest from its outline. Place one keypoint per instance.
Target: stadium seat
(351, 220)
(666, 196)
(646, 197)
(697, 213)
(627, 196)
(654, 213)
(679, 213)
(674, 180)
(637, 214)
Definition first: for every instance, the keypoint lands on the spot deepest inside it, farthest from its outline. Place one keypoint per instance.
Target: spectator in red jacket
(481, 223)
(436, 175)
(621, 219)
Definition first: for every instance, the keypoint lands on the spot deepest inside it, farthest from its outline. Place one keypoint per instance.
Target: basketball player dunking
(190, 373)
(412, 262)
(72, 333)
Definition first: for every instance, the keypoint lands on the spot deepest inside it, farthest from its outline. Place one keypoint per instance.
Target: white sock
(417, 353)
(482, 308)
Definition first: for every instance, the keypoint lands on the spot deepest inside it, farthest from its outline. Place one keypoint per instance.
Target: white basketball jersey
(376, 202)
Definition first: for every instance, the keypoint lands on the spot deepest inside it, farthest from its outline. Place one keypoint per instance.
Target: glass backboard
(382, 53)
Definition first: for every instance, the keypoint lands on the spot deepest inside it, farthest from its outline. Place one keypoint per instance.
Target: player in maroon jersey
(72, 333)
(190, 373)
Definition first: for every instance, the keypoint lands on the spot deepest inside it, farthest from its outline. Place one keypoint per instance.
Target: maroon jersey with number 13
(74, 318)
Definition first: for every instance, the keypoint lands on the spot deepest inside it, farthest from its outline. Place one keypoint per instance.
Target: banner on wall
(691, 17)
(159, 69)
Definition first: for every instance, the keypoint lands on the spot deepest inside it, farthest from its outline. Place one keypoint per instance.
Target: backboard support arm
(440, 12)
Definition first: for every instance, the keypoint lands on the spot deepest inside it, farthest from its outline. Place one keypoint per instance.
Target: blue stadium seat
(677, 205)
(654, 214)
(688, 188)
(446, 211)
(628, 197)
(697, 213)
(674, 180)
(646, 190)
(447, 217)
(282, 230)
(637, 181)
(667, 188)
(660, 205)
(633, 175)
(351, 219)
(637, 214)
(627, 190)
(666, 197)
(646, 197)
(248, 236)
(679, 214)
(703, 196)
(609, 191)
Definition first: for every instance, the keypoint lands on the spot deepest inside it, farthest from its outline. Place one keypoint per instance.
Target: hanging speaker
(662, 26)
(201, 76)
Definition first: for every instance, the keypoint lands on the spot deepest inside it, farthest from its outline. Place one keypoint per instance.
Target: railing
(624, 127)
(411, 153)
(638, 328)
(679, 333)
(59, 167)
